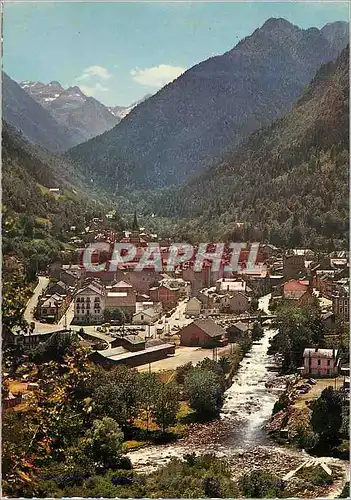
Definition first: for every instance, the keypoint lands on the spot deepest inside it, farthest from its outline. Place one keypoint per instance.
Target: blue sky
(118, 52)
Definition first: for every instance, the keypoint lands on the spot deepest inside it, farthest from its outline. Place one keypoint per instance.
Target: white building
(230, 285)
(89, 304)
(193, 307)
(146, 317)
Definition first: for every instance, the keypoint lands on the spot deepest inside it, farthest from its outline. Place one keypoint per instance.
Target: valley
(175, 293)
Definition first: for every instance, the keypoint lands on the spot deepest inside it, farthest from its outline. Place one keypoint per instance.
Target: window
(328, 362)
(78, 299)
(319, 362)
(44, 311)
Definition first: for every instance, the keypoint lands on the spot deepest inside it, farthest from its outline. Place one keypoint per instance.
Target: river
(247, 399)
(247, 408)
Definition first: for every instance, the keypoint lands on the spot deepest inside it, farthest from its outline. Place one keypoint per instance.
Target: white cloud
(93, 90)
(92, 80)
(157, 76)
(94, 72)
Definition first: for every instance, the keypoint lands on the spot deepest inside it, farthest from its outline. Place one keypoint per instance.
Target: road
(33, 301)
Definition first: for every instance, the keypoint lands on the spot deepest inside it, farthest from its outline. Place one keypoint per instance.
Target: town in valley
(175, 263)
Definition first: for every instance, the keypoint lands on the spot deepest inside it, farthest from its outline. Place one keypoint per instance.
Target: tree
(212, 487)
(115, 395)
(148, 388)
(166, 405)
(298, 328)
(55, 348)
(260, 484)
(254, 304)
(224, 363)
(257, 331)
(103, 443)
(182, 371)
(115, 314)
(326, 418)
(205, 392)
(13, 305)
(118, 315)
(28, 227)
(211, 365)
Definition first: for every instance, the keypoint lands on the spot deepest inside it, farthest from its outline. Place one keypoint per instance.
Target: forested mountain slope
(208, 110)
(289, 182)
(36, 222)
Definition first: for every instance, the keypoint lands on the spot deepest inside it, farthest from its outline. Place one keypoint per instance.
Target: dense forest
(287, 183)
(37, 223)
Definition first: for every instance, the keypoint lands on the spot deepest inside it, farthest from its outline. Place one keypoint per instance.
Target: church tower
(134, 237)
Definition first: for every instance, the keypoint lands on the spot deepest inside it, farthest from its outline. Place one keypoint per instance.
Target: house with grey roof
(203, 333)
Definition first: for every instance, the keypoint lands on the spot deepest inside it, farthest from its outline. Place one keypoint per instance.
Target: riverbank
(270, 459)
(291, 425)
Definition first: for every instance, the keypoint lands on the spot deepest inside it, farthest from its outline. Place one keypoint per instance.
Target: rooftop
(134, 339)
(241, 326)
(150, 311)
(320, 353)
(117, 294)
(122, 284)
(209, 327)
(116, 354)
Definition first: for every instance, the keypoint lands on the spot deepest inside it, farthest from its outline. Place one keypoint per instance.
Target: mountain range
(57, 118)
(288, 181)
(85, 117)
(206, 112)
(122, 111)
(32, 119)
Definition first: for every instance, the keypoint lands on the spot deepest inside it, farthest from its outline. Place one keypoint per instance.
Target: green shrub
(315, 475)
(260, 484)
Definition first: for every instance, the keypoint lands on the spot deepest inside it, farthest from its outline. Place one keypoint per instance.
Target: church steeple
(135, 226)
